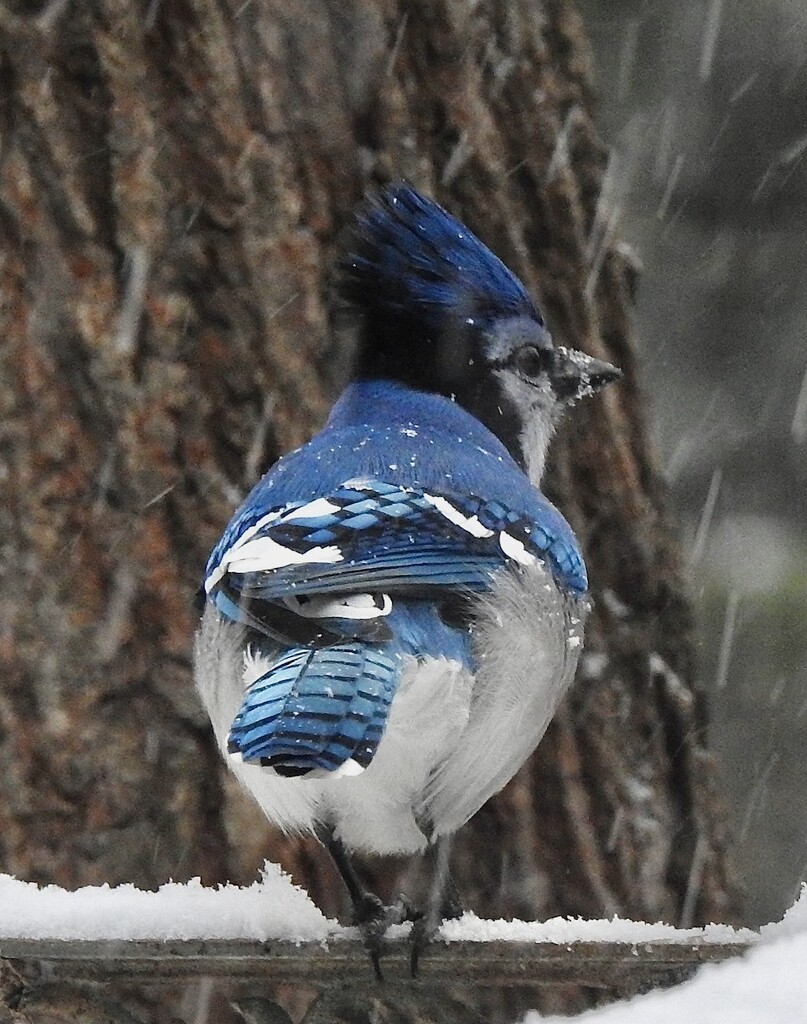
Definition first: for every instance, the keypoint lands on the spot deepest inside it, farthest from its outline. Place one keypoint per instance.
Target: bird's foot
(374, 918)
(427, 926)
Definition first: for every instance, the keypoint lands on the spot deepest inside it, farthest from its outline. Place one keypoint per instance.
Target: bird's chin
(527, 396)
(547, 408)
(534, 439)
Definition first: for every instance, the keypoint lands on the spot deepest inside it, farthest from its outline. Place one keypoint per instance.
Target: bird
(394, 612)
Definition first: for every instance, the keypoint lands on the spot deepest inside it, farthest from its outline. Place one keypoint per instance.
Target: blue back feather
(380, 430)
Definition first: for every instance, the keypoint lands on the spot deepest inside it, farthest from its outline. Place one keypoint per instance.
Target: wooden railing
(246, 968)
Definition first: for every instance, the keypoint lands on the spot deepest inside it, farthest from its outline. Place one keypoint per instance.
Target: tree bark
(174, 177)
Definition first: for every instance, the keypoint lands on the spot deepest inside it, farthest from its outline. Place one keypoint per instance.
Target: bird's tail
(316, 710)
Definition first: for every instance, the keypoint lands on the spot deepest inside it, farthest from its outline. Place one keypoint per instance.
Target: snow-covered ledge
(273, 932)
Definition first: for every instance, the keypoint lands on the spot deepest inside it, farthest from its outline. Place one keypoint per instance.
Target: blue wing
(344, 579)
(383, 538)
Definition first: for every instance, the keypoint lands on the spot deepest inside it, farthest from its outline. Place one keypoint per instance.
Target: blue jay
(395, 611)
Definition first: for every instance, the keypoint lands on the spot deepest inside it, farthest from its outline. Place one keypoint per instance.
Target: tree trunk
(174, 177)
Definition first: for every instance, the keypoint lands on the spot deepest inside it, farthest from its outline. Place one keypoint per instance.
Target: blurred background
(704, 106)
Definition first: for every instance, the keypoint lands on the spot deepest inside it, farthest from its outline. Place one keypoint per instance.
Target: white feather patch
(213, 579)
(256, 664)
(347, 770)
(317, 507)
(314, 509)
(515, 549)
(263, 553)
(221, 569)
(470, 524)
(350, 606)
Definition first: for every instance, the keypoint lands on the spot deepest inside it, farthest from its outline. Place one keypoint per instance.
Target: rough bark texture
(174, 177)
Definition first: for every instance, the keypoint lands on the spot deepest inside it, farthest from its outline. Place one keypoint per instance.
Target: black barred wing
(370, 536)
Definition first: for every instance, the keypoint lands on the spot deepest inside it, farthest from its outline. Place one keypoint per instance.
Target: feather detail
(396, 609)
(316, 709)
(408, 257)
(390, 538)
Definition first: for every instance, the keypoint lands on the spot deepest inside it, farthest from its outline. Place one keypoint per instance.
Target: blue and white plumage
(359, 541)
(396, 609)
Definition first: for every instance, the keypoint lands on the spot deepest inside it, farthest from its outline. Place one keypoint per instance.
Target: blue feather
(317, 708)
(408, 257)
(405, 440)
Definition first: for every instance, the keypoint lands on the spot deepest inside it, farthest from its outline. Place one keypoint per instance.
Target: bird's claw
(423, 932)
(428, 925)
(374, 918)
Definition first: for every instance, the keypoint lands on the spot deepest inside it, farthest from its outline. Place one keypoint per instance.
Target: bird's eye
(530, 360)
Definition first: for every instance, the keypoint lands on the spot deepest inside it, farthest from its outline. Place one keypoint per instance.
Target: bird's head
(435, 309)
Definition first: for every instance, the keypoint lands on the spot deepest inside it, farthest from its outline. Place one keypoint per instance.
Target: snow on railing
(270, 934)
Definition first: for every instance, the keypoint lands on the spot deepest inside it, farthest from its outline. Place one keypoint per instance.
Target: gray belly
(528, 636)
(452, 740)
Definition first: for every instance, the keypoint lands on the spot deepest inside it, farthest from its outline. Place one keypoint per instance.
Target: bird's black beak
(575, 375)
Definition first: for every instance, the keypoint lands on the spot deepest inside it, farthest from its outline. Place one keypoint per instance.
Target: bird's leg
(369, 912)
(443, 901)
